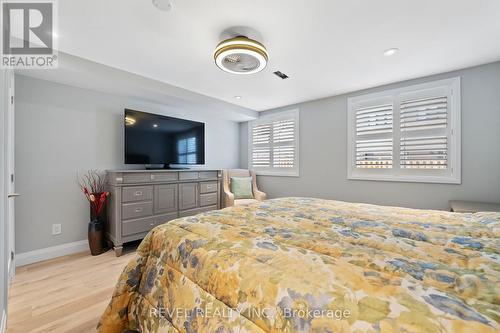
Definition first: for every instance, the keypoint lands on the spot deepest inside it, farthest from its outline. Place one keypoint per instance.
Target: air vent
(281, 75)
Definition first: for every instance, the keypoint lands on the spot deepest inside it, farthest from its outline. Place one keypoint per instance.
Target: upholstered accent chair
(228, 199)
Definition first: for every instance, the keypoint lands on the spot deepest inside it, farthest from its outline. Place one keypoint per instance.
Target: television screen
(155, 139)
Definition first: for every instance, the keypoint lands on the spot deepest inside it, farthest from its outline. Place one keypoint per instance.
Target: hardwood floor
(67, 294)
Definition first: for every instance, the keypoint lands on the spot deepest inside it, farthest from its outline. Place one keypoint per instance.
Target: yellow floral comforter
(310, 265)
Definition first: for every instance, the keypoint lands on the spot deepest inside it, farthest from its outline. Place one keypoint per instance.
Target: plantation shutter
(409, 134)
(423, 123)
(284, 143)
(261, 142)
(274, 144)
(424, 113)
(373, 145)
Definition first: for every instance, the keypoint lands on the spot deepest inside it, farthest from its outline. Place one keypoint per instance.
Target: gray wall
(323, 150)
(61, 130)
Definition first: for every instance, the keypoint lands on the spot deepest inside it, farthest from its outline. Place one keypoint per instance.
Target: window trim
(269, 118)
(394, 174)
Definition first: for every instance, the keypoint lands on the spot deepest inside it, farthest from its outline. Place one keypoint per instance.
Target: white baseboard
(51, 252)
(3, 323)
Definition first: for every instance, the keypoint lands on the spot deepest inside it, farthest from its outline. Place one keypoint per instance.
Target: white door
(10, 175)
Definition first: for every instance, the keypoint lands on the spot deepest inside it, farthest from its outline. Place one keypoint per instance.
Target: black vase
(97, 230)
(95, 236)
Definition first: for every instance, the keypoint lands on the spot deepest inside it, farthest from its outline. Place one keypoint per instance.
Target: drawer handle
(152, 224)
(137, 193)
(138, 210)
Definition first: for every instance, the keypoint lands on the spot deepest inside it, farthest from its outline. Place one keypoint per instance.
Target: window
(273, 142)
(408, 134)
(186, 149)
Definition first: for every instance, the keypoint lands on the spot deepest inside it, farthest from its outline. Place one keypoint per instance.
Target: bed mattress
(311, 265)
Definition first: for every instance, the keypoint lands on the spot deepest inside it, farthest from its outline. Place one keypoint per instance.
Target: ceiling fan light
(241, 55)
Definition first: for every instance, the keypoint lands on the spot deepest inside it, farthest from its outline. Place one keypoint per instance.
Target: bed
(311, 265)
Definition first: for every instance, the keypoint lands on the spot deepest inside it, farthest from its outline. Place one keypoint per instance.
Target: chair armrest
(227, 196)
(228, 199)
(259, 195)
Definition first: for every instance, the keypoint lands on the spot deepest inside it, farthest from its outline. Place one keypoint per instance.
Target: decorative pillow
(241, 187)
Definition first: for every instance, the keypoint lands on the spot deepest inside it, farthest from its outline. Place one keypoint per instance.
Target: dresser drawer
(137, 226)
(136, 177)
(208, 187)
(208, 199)
(188, 175)
(165, 177)
(136, 210)
(208, 174)
(132, 227)
(137, 193)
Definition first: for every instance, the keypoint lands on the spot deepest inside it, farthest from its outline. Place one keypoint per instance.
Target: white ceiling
(327, 47)
(82, 73)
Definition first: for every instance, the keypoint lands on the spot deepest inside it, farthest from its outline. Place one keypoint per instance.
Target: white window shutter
(284, 143)
(417, 140)
(261, 143)
(374, 120)
(423, 124)
(261, 134)
(374, 153)
(424, 113)
(261, 157)
(274, 144)
(424, 152)
(374, 144)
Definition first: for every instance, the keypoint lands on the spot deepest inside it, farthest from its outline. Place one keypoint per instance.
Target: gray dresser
(143, 199)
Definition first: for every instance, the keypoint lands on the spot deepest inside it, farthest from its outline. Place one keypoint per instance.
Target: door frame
(9, 172)
(5, 231)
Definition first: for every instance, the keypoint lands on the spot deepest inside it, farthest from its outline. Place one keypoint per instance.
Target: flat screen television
(153, 139)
